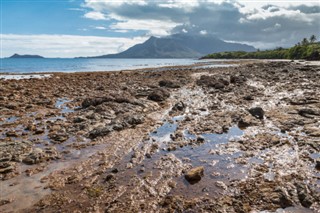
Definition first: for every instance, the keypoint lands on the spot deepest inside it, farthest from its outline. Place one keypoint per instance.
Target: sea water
(33, 65)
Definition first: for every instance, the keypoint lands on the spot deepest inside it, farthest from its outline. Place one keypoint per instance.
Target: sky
(71, 28)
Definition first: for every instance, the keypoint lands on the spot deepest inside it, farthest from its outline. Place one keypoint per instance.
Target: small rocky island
(25, 56)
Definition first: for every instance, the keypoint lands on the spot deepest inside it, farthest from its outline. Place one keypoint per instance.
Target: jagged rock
(159, 95)
(135, 120)
(99, 132)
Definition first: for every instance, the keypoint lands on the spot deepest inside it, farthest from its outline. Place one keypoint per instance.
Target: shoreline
(126, 140)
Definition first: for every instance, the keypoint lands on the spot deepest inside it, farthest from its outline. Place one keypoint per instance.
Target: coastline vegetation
(308, 49)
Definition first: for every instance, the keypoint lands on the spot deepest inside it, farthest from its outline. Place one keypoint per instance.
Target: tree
(313, 39)
(304, 41)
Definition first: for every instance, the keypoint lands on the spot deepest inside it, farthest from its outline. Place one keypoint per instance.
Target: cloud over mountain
(282, 23)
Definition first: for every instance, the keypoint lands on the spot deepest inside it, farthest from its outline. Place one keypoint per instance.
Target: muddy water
(24, 190)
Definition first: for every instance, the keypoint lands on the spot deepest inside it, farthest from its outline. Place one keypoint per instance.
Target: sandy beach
(242, 138)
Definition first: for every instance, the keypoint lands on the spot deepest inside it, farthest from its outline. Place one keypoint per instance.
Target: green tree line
(308, 49)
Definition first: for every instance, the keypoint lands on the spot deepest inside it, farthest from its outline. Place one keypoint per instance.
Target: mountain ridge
(178, 46)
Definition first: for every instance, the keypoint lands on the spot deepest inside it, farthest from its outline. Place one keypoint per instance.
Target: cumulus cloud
(65, 45)
(281, 23)
(95, 15)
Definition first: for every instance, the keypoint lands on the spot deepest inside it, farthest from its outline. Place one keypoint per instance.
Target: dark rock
(58, 137)
(178, 106)
(211, 81)
(168, 84)
(248, 98)
(237, 79)
(109, 177)
(99, 132)
(95, 101)
(79, 119)
(194, 175)
(317, 165)
(305, 198)
(306, 112)
(159, 95)
(257, 112)
(135, 120)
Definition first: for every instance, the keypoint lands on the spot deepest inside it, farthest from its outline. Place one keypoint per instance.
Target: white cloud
(100, 28)
(154, 27)
(95, 15)
(203, 32)
(65, 45)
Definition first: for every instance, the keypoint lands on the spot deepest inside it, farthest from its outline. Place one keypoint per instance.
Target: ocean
(30, 65)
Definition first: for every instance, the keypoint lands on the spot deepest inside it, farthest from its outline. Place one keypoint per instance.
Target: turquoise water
(30, 65)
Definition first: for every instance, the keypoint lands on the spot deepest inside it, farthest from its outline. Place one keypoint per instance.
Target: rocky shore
(235, 139)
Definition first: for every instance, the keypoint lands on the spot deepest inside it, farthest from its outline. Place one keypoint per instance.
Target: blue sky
(69, 28)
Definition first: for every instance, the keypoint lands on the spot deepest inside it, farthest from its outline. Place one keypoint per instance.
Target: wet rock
(211, 81)
(195, 174)
(168, 84)
(312, 131)
(305, 198)
(257, 112)
(5, 201)
(36, 156)
(247, 121)
(307, 112)
(159, 95)
(303, 101)
(58, 137)
(95, 101)
(109, 177)
(12, 134)
(221, 185)
(248, 98)
(318, 165)
(99, 132)
(6, 167)
(79, 119)
(135, 120)
(237, 79)
(178, 106)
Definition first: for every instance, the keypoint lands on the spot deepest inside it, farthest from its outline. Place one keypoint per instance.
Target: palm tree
(304, 41)
(313, 39)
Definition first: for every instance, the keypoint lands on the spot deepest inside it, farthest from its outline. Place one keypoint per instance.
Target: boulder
(257, 112)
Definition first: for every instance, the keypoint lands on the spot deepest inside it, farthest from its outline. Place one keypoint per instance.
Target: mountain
(25, 56)
(179, 46)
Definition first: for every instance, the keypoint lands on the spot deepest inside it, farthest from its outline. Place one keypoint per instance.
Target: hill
(309, 51)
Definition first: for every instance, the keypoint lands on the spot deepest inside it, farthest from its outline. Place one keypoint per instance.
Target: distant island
(179, 46)
(25, 56)
(306, 49)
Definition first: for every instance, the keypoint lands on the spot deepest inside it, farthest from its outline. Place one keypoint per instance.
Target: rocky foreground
(235, 139)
